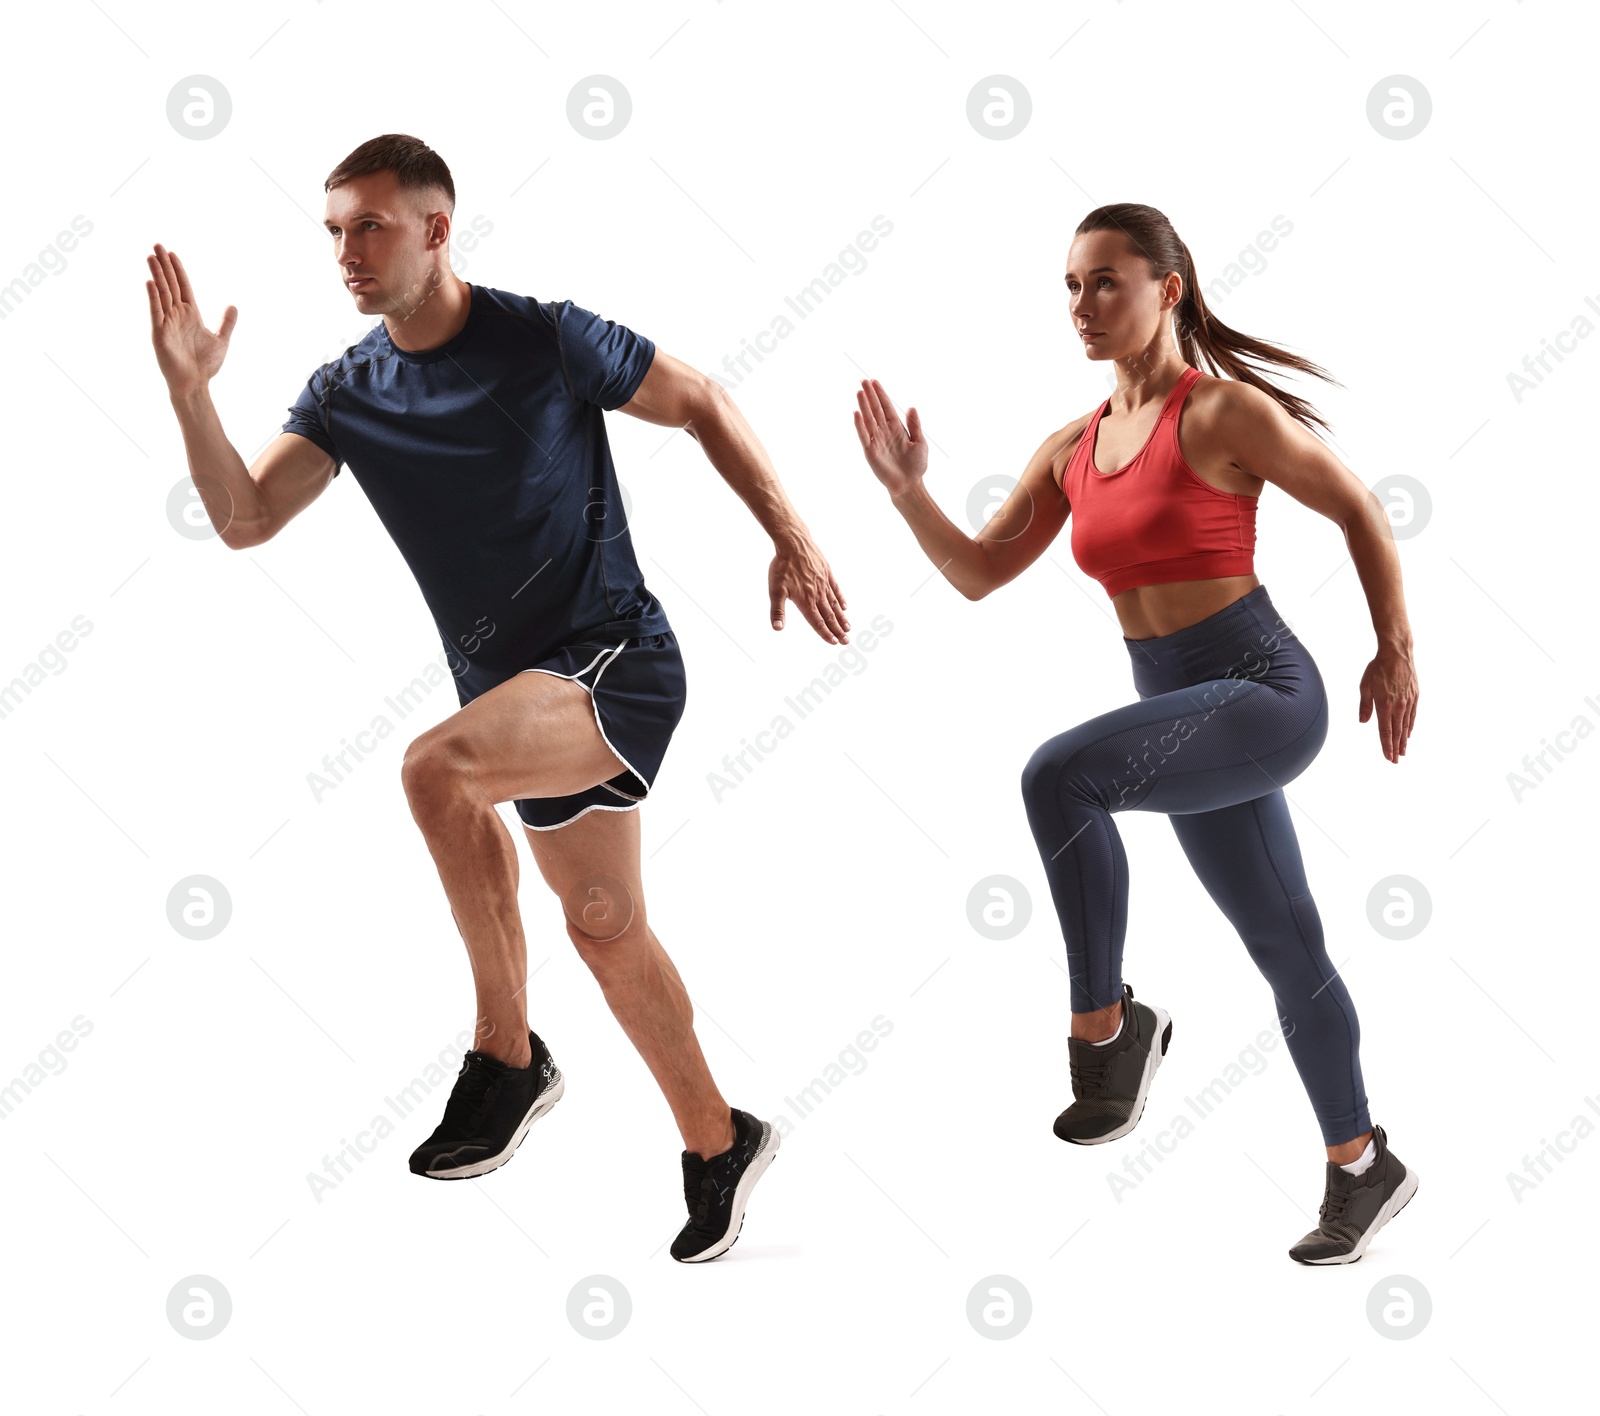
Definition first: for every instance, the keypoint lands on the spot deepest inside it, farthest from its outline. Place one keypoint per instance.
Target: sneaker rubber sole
(741, 1197)
(1152, 1064)
(541, 1105)
(1392, 1206)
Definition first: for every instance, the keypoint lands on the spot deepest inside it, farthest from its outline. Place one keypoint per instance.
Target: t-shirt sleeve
(605, 362)
(306, 417)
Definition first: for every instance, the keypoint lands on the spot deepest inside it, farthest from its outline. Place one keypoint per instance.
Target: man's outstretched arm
(677, 395)
(247, 505)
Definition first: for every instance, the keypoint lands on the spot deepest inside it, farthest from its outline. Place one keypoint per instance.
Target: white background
(831, 886)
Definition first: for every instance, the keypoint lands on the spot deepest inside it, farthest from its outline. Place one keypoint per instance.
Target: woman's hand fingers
(880, 414)
(869, 416)
(885, 408)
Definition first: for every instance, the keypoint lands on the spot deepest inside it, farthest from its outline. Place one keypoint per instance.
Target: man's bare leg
(535, 735)
(592, 866)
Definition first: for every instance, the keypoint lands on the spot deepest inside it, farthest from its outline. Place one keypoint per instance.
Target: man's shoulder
(546, 314)
(364, 352)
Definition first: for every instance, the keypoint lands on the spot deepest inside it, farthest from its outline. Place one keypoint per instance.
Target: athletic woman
(1163, 478)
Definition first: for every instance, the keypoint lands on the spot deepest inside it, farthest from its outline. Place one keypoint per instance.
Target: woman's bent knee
(1061, 771)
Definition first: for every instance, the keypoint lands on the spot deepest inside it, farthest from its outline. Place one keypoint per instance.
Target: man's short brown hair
(416, 166)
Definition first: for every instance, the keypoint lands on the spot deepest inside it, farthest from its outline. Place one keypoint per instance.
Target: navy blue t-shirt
(486, 460)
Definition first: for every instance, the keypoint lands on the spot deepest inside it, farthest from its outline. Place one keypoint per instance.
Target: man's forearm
(732, 447)
(1377, 562)
(231, 498)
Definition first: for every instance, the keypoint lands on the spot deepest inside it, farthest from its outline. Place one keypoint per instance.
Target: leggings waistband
(1247, 638)
(1251, 608)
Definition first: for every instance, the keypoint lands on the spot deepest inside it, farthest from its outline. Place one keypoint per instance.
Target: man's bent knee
(436, 769)
(600, 909)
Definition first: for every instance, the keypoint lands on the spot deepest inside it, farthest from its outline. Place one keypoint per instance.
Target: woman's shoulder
(1217, 399)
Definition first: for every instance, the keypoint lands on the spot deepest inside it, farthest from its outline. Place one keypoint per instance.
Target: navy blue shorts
(638, 690)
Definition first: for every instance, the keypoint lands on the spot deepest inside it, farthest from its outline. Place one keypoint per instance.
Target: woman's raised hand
(896, 453)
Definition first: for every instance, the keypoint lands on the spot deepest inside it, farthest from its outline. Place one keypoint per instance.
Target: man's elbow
(710, 406)
(240, 535)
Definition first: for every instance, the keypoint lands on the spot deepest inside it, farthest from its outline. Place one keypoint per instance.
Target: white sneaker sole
(741, 1196)
(1392, 1206)
(1152, 1064)
(541, 1105)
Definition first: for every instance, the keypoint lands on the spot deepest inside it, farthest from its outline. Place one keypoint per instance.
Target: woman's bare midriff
(1148, 611)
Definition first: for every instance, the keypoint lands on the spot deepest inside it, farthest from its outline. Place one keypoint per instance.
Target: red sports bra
(1153, 520)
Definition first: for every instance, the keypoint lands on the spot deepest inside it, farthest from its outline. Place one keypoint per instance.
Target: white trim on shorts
(595, 806)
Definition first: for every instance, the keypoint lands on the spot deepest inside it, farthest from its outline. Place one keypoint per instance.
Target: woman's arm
(1264, 440)
(1017, 534)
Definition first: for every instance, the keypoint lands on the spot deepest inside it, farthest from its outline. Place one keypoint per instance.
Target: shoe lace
(703, 1192)
(700, 1204)
(1088, 1069)
(1334, 1204)
(470, 1094)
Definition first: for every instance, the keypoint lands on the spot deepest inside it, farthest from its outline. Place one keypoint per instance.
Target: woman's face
(1117, 309)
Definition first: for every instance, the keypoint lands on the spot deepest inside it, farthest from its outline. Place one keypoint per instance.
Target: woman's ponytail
(1203, 339)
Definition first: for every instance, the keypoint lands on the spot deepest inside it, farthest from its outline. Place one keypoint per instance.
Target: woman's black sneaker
(717, 1190)
(491, 1107)
(1110, 1083)
(1355, 1207)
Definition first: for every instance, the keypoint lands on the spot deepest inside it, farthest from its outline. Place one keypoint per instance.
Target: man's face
(391, 246)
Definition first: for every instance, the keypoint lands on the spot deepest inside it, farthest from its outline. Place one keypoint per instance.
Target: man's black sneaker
(1355, 1207)
(1110, 1083)
(491, 1107)
(717, 1190)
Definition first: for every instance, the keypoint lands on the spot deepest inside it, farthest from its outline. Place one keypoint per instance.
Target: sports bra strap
(1174, 404)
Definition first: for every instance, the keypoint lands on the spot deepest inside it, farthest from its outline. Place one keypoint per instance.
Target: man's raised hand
(188, 353)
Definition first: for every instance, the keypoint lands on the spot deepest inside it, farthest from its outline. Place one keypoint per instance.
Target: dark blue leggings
(1230, 709)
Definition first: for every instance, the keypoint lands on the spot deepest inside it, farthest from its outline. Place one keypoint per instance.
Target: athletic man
(472, 418)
